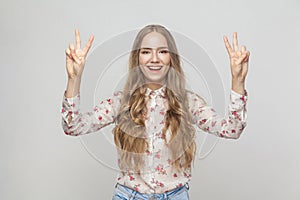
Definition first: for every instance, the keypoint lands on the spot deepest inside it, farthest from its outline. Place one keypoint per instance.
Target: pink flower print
(109, 101)
(232, 131)
(63, 110)
(207, 128)
(160, 184)
(223, 122)
(131, 178)
(234, 113)
(148, 152)
(70, 112)
(243, 99)
(162, 112)
(213, 123)
(196, 112)
(186, 175)
(99, 118)
(160, 169)
(95, 109)
(73, 105)
(157, 155)
(136, 187)
(119, 178)
(222, 134)
(151, 109)
(106, 111)
(159, 134)
(175, 175)
(179, 185)
(169, 161)
(202, 121)
(76, 112)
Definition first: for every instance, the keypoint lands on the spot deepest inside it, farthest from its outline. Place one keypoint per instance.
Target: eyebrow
(152, 48)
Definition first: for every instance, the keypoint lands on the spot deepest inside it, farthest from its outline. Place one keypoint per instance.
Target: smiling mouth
(155, 68)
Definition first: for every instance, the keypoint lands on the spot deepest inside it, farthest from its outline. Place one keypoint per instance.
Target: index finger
(235, 41)
(88, 45)
(77, 36)
(228, 47)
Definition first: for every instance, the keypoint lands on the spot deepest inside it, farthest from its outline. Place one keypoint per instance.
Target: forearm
(207, 119)
(76, 123)
(73, 87)
(238, 86)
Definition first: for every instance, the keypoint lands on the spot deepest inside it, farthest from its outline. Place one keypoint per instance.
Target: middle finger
(235, 41)
(77, 36)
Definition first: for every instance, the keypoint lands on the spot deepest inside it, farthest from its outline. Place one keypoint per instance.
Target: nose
(154, 58)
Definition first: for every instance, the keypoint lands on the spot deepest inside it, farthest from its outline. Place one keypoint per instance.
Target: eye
(145, 52)
(164, 51)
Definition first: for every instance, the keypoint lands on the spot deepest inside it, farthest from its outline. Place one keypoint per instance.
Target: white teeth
(155, 68)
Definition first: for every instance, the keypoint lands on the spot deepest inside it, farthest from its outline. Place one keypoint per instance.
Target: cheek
(143, 59)
(166, 59)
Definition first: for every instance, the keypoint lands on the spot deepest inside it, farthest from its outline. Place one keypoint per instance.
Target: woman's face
(154, 59)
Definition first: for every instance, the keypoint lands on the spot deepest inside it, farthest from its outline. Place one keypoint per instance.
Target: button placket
(151, 127)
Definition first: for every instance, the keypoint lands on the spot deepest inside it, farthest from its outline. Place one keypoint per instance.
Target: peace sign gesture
(75, 56)
(238, 59)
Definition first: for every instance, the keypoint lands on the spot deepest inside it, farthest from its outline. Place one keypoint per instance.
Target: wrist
(74, 79)
(73, 87)
(238, 86)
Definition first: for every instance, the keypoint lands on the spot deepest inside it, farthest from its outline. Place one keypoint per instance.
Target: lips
(155, 67)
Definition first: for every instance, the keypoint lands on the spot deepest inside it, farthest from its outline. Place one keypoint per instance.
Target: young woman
(154, 115)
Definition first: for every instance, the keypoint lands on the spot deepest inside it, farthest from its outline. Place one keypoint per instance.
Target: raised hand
(238, 59)
(76, 57)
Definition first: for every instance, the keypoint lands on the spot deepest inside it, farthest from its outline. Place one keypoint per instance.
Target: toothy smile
(154, 67)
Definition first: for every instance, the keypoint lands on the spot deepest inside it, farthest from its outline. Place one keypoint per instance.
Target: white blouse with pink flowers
(160, 176)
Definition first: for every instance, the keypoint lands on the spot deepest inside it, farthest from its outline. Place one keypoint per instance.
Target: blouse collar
(158, 92)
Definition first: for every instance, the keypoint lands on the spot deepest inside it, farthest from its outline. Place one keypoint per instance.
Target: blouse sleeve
(76, 123)
(206, 118)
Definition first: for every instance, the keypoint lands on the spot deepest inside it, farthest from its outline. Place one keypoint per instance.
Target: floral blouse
(160, 176)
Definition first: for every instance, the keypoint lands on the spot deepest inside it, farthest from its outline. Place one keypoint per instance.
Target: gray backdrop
(39, 162)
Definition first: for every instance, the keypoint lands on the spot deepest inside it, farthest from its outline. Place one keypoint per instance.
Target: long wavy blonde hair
(129, 132)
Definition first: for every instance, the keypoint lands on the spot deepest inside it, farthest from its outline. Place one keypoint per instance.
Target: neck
(154, 86)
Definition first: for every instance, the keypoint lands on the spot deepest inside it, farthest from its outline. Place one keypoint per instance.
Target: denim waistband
(131, 194)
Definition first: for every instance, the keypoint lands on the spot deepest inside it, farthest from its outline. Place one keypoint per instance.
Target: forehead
(154, 40)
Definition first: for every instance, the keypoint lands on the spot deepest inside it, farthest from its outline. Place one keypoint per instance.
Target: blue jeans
(125, 193)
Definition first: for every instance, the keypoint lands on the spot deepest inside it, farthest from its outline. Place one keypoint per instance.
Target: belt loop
(187, 185)
(165, 196)
(132, 195)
